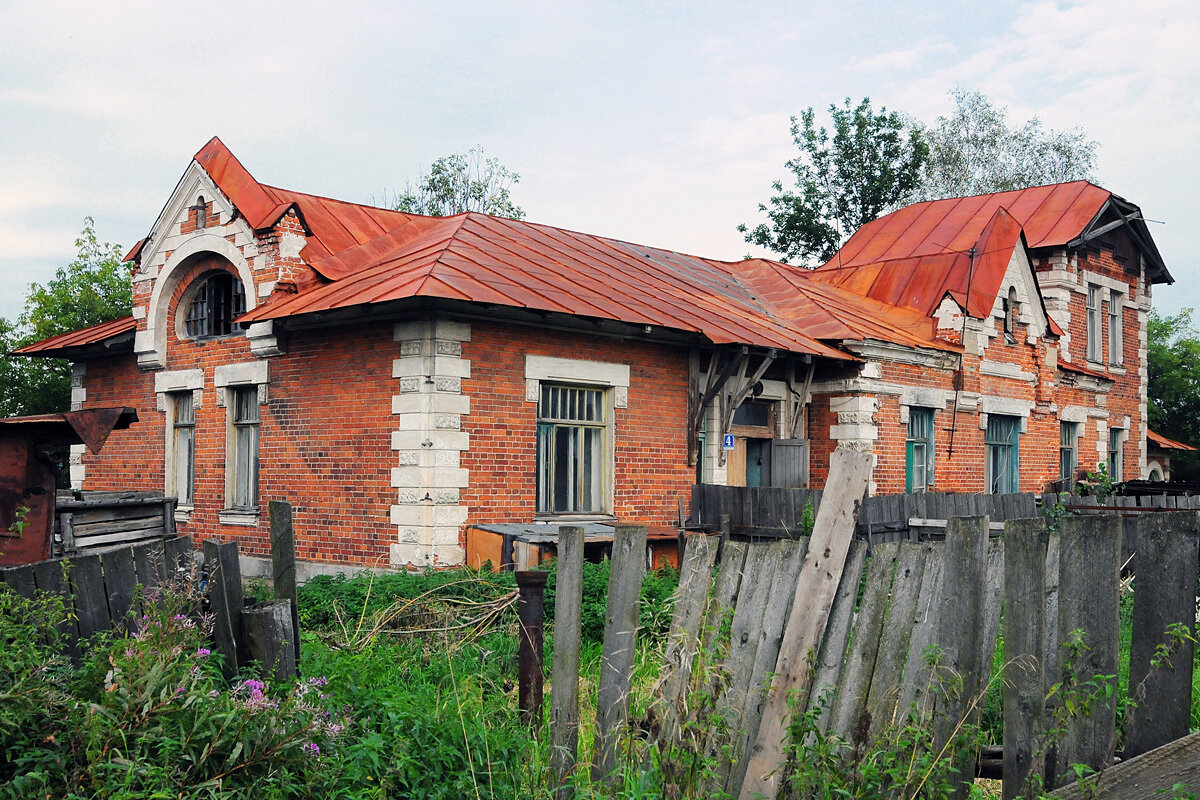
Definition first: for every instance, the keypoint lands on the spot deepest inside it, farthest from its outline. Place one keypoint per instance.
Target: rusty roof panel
(57, 346)
(1165, 443)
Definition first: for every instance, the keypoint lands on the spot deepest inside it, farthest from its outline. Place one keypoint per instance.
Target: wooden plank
(1088, 595)
(1025, 546)
(91, 599)
(1050, 648)
(837, 634)
(49, 577)
(225, 600)
(993, 600)
(120, 584)
(283, 562)
(775, 613)
(1149, 776)
(683, 638)
(564, 689)
(914, 692)
(856, 679)
(118, 538)
(177, 554)
(1164, 596)
(888, 676)
(849, 473)
(102, 514)
(107, 500)
(84, 530)
(620, 639)
(151, 566)
(20, 580)
(960, 632)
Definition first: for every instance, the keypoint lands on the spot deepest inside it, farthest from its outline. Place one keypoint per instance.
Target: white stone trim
(76, 467)
(1002, 369)
(575, 370)
(900, 354)
(429, 443)
(179, 380)
(856, 427)
(1007, 406)
(923, 397)
(78, 389)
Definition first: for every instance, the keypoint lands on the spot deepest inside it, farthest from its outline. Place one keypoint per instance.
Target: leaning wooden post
(1089, 564)
(1025, 543)
(269, 634)
(283, 563)
(1165, 595)
(225, 600)
(849, 472)
(564, 690)
(530, 613)
(620, 638)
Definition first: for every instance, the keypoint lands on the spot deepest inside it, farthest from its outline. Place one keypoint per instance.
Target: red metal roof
(57, 345)
(917, 255)
(1165, 443)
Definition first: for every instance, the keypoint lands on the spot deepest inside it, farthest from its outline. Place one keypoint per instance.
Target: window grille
(218, 300)
(572, 452)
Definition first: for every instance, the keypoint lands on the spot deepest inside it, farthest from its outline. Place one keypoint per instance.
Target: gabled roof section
(1158, 440)
(106, 335)
(477, 258)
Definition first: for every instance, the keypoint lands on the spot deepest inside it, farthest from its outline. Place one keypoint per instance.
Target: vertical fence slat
(1165, 595)
(49, 578)
(620, 634)
(20, 580)
(225, 599)
(1024, 639)
(837, 633)
(897, 631)
(120, 580)
(1088, 600)
(564, 689)
(149, 561)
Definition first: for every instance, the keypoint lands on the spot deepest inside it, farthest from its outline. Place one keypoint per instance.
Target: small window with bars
(244, 459)
(183, 434)
(572, 450)
(217, 301)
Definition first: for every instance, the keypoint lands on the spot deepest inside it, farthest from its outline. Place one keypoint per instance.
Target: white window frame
(611, 377)
(1116, 344)
(1095, 344)
(1116, 454)
(168, 385)
(186, 500)
(230, 379)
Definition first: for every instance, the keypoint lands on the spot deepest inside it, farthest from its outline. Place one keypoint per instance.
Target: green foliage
(654, 609)
(93, 288)
(974, 151)
(462, 182)
(147, 714)
(1097, 483)
(869, 164)
(808, 519)
(1173, 372)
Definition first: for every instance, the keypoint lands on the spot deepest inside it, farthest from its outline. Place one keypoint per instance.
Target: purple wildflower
(202, 651)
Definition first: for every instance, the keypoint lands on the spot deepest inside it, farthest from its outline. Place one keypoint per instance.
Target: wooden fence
(894, 605)
(92, 521)
(99, 589)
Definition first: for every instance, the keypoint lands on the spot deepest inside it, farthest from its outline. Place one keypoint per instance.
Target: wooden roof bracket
(698, 400)
(739, 391)
(798, 399)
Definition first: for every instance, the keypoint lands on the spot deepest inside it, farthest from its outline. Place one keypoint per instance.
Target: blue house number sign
(729, 441)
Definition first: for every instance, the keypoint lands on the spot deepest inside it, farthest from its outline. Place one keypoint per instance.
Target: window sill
(571, 519)
(183, 513)
(1116, 369)
(232, 517)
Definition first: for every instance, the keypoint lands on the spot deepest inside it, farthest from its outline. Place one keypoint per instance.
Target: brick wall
(651, 469)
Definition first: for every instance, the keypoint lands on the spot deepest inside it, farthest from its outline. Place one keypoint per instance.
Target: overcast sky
(659, 123)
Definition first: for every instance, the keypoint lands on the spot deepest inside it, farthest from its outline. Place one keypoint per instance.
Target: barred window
(572, 450)
(218, 300)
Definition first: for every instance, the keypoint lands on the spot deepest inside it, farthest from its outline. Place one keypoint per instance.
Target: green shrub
(654, 609)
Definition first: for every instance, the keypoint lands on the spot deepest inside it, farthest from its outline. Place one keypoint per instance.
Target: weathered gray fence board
(914, 692)
(1088, 595)
(20, 580)
(1147, 777)
(49, 578)
(150, 561)
(1024, 639)
(178, 556)
(1165, 595)
(683, 638)
(564, 691)
(283, 561)
(837, 633)
(620, 638)
(120, 584)
(993, 595)
(225, 600)
(888, 677)
(864, 647)
(269, 634)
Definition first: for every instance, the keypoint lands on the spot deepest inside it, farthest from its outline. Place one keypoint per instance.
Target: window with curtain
(919, 450)
(1001, 451)
(245, 448)
(572, 451)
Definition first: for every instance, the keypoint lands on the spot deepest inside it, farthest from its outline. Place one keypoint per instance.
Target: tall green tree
(462, 182)
(974, 151)
(1173, 370)
(869, 163)
(93, 288)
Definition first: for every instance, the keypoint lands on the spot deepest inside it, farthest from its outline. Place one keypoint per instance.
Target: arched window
(217, 301)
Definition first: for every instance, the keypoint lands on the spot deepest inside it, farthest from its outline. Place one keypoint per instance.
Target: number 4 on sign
(729, 441)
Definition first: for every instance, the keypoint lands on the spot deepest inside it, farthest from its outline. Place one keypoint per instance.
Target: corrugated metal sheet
(80, 338)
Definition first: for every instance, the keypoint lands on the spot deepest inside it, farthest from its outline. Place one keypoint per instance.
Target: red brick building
(399, 377)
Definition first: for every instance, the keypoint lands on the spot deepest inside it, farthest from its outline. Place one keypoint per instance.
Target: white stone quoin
(429, 442)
